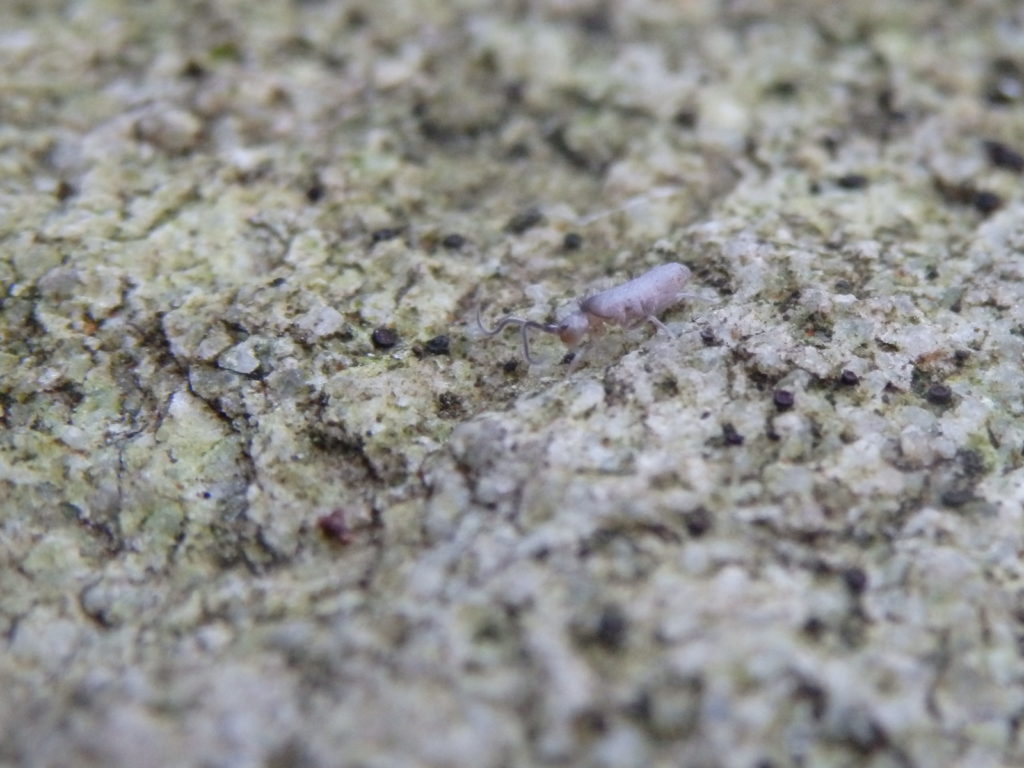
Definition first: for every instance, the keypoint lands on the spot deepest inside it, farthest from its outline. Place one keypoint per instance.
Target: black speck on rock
(572, 241)
(439, 345)
(685, 118)
(334, 526)
(193, 71)
(697, 521)
(986, 202)
(783, 399)
(524, 220)
(848, 378)
(453, 242)
(64, 191)
(315, 192)
(1002, 156)
(384, 337)
(1006, 82)
(957, 497)
(855, 579)
(612, 628)
(385, 233)
(449, 405)
(852, 181)
(971, 462)
(939, 394)
(782, 89)
(814, 628)
(730, 435)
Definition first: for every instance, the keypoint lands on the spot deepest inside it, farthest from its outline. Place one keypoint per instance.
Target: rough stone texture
(237, 530)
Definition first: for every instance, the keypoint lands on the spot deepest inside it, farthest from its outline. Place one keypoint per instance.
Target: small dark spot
(572, 241)
(971, 461)
(567, 358)
(844, 286)
(961, 356)
(356, 18)
(510, 366)
(488, 632)
(956, 497)
(449, 405)
(820, 567)
(886, 101)
(384, 337)
(686, 118)
(814, 188)
(524, 220)
(707, 337)
(848, 378)
(782, 89)
(334, 526)
(939, 394)
(814, 628)
(518, 151)
(277, 282)
(855, 579)
(292, 753)
(453, 242)
(206, 494)
(814, 695)
(967, 194)
(697, 521)
(315, 192)
(515, 92)
(986, 202)
(612, 628)
(931, 273)
(193, 70)
(730, 435)
(669, 386)
(385, 233)
(852, 181)
(783, 399)
(596, 21)
(1003, 156)
(1006, 82)
(439, 345)
(750, 147)
(64, 190)
(590, 721)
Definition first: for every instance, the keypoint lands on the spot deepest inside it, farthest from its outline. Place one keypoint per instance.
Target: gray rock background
(716, 549)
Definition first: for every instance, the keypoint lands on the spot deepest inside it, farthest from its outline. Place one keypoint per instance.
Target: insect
(626, 306)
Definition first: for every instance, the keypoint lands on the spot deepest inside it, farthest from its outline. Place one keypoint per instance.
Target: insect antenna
(524, 326)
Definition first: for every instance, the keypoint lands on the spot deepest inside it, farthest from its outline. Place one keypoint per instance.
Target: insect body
(626, 306)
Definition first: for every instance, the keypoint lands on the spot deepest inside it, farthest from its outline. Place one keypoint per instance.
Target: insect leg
(525, 326)
(660, 325)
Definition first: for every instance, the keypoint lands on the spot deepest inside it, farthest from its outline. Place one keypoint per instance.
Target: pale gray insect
(626, 306)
